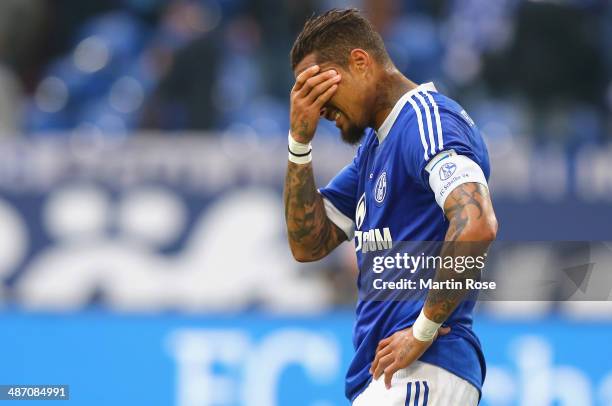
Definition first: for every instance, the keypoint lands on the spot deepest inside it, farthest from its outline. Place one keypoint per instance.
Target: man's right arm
(311, 234)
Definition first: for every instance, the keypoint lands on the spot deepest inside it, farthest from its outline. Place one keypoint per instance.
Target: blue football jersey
(384, 195)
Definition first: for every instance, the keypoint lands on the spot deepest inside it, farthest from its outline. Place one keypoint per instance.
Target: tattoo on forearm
(308, 227)
(301, 129)
(466, 204)
(442, 302)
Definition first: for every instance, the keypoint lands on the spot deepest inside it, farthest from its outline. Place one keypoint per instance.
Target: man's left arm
(472, 227)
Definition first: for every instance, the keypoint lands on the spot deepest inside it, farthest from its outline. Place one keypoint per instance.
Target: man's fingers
(384, 342)
(383, 364)
(304, 76)
(321, 87)
(389, 371)
(377, 358)
(317, 84)
(324, 98)
(374, 363)
(311, 80)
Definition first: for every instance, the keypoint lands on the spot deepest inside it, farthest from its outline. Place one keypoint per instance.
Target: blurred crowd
(537, 68)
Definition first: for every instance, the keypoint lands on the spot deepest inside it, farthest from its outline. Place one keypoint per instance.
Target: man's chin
(353, 135)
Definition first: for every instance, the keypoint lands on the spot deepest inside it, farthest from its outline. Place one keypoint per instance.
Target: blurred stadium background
(143, 259)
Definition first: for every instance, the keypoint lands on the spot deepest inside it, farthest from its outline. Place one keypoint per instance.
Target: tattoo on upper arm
(466, 198)
(307, 222)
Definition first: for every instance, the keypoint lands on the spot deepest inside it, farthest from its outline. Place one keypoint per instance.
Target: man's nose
(323, 112)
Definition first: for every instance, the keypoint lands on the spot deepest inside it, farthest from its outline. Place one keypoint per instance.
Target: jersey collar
(385, 127)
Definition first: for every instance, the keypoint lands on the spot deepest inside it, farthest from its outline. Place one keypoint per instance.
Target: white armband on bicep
(447, 170)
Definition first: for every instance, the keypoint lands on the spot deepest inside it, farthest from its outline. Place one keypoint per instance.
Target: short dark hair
(334, 34)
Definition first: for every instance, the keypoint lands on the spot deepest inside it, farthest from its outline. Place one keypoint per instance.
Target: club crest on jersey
(447, 170)
(380, 190)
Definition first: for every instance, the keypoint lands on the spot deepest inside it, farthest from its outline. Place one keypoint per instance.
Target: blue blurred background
(143, 259)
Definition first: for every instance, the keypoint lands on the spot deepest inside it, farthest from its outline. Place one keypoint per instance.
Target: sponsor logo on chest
(374, 239)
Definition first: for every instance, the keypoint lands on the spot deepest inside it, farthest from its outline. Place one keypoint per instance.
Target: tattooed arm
(472, 227)
(311, 234)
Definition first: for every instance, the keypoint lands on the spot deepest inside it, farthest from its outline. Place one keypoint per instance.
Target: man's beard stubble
(353, 135)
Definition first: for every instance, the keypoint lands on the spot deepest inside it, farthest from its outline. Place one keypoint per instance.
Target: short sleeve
(339, 197)
(450, 139)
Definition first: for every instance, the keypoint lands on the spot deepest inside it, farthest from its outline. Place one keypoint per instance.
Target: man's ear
(360, 61)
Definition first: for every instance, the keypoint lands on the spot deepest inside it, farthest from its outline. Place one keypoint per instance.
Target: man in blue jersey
(420, 174)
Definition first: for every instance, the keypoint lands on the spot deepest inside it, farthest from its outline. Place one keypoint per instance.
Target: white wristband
(424, 329)
(299, 153)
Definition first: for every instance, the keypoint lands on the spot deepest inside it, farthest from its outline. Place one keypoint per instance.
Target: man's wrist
(299, 153)
(424, 329)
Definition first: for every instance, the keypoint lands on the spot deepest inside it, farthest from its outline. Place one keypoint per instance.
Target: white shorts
(420, 384)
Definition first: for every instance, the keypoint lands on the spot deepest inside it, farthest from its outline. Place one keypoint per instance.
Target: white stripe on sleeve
(432, 143)
(420, 122)
(438, 122)
(340, 219)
